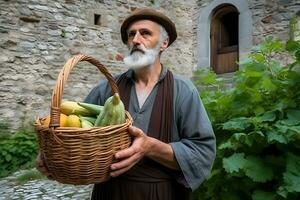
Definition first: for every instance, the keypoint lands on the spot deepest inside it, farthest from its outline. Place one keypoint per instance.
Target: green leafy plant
(4, 130)
(257, 126)
(17, 150)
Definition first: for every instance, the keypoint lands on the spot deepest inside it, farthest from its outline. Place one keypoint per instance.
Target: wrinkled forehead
(144, 24)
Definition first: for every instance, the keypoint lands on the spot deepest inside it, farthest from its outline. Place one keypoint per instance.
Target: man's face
(143, 43)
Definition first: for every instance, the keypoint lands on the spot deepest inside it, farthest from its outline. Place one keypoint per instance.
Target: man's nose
(137, 38)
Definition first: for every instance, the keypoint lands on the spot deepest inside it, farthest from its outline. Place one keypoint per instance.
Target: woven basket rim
(39, 125)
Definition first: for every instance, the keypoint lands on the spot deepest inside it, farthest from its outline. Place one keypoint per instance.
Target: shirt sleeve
(99, 94)
(196, 149)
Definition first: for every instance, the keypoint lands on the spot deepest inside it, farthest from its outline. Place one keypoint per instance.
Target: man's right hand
(40, 165)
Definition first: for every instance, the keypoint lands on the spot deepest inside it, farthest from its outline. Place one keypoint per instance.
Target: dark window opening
(97, 19)
(229, 30)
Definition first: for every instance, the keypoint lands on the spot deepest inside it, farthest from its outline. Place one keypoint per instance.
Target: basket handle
(61, 81)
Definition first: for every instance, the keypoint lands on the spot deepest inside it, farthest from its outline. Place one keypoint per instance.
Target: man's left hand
(132, 155)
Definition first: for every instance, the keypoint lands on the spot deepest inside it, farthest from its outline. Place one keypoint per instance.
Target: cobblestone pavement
(42, 189)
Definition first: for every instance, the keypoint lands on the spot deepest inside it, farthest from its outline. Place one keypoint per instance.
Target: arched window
(224, 39)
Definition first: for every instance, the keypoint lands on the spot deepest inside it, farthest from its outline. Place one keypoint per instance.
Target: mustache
(136, 48)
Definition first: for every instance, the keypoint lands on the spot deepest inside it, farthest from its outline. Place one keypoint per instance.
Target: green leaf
(292, 46)
(272, 45)
(258, 110)
(293, 117)
(276, 137)
(289, 122)
(257, 170)
(209, 79)
(291, 176)
(234, 163)
(251, 73)
(295, 67)
(267, 117)
(239, 139)
(8, 157)
(279, 106)
(297, 54)
(292, 182)
(255, 138)
(293, 163)
(295, 129)
(259, 57)
(206, 77)
(267, 84)
(281, 128)
(256, 97)
(237, 124)
(3, 153)
(262, 195)
(227, 145)
(246, 62)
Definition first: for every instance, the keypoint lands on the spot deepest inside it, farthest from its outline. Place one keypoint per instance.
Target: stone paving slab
(42, 189)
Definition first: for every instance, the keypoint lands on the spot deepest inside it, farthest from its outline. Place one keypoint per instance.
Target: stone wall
(38, 36)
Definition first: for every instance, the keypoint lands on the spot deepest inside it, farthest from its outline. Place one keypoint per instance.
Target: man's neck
(148, 76)
(145, 80)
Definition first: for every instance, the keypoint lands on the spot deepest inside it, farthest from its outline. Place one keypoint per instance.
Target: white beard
(141, 58)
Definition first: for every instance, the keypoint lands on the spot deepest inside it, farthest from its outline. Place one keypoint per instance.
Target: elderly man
(173, 144)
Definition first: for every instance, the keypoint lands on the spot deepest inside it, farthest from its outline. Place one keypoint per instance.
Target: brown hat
(153, 15)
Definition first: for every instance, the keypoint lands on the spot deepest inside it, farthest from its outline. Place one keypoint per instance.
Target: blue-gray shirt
(193, 140)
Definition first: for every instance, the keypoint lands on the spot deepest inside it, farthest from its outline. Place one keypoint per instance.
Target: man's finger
(125, 153)
(121, 171)
(134, 131)
(125, 163)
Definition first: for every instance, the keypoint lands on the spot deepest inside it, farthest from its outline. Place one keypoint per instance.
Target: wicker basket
(80, 155)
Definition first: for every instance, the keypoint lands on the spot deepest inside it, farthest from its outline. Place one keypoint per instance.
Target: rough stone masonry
(37, 37)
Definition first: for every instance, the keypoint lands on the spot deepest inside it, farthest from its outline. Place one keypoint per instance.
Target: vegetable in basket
(71, 107)
(113, 112)
(95, 109)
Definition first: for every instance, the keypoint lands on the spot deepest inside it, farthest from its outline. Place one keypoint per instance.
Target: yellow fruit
(62, 121)
(72, 108)
(73, 121)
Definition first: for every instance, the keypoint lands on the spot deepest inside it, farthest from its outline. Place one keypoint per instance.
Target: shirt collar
(130, 73)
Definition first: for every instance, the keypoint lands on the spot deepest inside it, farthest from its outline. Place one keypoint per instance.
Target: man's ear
(165, 44)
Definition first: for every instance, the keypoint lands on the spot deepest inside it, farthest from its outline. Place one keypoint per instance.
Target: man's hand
(143, 145)
(41, 166)
(132, 155)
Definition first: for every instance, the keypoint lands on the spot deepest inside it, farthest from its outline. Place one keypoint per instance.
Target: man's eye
(131, 34)
(145, 33)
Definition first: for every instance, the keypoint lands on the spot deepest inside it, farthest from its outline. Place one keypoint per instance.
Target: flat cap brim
(149, 14)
